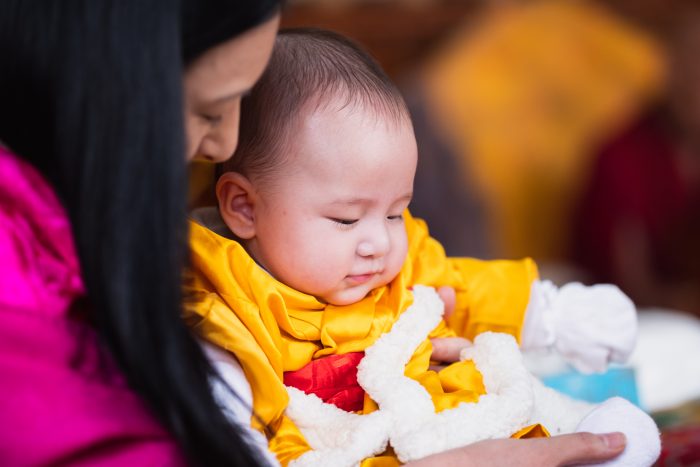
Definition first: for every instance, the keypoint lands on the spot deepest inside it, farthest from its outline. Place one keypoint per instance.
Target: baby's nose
(377, 246)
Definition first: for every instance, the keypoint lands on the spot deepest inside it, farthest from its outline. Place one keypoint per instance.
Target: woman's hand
(572, 449)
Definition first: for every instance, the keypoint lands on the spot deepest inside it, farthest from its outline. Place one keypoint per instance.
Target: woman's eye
(397, 217)
(211, 119)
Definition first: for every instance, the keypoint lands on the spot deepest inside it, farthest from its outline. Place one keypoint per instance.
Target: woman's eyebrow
(233, 95)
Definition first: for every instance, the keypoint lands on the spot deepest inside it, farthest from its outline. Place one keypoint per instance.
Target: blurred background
(568, 131)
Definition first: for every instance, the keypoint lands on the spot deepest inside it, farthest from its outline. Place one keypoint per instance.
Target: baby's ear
(237, 196)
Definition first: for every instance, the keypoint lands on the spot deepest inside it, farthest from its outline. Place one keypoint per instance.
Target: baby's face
(331, 226)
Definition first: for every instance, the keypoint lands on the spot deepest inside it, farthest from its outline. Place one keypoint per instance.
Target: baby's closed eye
(343, 223)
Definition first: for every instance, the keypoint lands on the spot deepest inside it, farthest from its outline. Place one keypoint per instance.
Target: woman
(97, 368)
(93, 94)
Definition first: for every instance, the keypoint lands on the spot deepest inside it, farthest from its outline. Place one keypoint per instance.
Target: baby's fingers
(447, 349)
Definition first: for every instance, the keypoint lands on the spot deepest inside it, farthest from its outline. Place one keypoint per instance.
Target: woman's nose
(220, 142)
(226, 140)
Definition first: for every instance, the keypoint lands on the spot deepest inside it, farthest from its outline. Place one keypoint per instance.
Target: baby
(318, 260)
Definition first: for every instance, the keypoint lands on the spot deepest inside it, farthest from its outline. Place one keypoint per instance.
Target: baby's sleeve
(491, 295)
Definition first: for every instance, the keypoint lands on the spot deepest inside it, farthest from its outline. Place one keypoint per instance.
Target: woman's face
(214, 85)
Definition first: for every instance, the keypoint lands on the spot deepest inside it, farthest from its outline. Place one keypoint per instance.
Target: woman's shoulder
(38, 263)
(63, 399)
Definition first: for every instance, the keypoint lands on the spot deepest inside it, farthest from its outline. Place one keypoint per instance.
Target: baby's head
(323, 171)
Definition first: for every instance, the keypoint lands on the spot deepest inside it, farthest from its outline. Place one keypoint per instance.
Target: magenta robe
(59, 403)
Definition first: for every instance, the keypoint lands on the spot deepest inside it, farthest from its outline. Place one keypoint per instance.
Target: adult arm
(571, 449)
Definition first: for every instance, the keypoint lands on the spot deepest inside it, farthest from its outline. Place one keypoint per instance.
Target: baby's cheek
(326, 264)
(400, 254)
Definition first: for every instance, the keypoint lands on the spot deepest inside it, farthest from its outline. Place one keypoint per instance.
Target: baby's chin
(349, 294)
(346, 296)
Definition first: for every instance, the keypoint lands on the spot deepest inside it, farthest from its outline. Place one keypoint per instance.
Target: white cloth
(590, 326)
(237, 409)
(617, 414)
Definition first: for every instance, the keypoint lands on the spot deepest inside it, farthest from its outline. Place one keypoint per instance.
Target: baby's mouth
(358, 279)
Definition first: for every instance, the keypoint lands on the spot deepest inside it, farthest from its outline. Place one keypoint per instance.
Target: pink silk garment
(60, 403)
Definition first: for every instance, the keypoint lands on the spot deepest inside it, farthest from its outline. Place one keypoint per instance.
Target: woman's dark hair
(91, 94)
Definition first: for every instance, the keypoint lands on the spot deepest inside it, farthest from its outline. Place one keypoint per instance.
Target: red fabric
(636, 180)
(680, 446)
(333, 379)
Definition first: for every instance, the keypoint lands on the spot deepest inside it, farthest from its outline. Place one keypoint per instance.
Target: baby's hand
(589, 326)
(447, 349)
(449, 298)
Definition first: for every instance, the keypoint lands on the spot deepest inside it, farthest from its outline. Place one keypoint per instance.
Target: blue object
(596, 387)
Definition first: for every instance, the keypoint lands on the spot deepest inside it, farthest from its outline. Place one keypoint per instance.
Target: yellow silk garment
(271, 328)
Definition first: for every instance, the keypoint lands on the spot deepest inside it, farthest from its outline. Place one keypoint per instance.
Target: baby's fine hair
(308, 69)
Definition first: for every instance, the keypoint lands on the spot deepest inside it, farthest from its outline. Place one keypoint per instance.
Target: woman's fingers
(584, 448)
(572, 449)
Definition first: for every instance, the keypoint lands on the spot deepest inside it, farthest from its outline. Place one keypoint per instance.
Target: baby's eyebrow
(351, 201)
(360, 201)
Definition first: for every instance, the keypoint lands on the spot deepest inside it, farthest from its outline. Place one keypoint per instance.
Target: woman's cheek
(195, 132)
